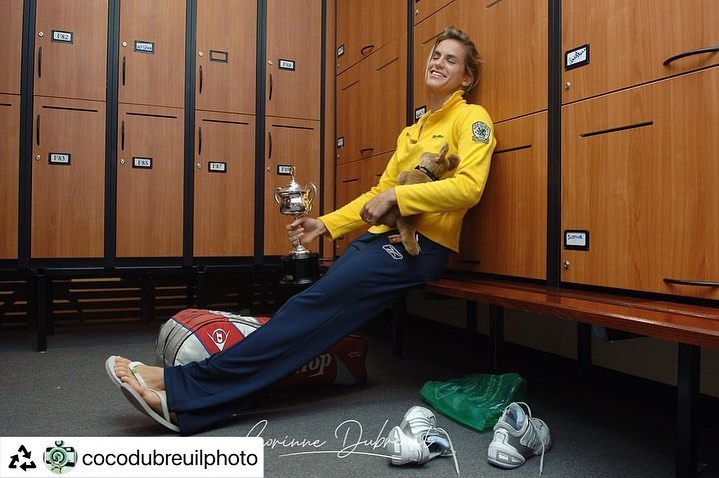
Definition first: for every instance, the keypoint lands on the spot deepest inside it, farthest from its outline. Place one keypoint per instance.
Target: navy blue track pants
(369, 276)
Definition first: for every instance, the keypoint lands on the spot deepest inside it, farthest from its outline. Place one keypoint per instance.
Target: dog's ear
(443, 149)
(453, 161)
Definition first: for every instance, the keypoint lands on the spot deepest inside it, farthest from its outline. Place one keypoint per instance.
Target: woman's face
(446, 68)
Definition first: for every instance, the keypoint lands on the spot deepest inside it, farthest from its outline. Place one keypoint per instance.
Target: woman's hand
(305, 230)
(378, 206)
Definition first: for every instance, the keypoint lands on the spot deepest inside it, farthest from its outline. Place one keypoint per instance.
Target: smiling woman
(367, 278)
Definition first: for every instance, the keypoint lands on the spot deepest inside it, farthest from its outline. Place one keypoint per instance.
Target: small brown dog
(431, 167)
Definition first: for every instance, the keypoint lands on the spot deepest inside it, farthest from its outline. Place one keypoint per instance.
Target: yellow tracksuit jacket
(469, 131)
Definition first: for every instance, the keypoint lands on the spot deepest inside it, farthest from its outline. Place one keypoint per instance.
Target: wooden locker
(289, 143)
(506, 233)
(9, 179)
(614, 44)
(71, 49)
(226, 59)
(224, 209)
(365, 26)
(352, 124)
(294, 40)
(149, 181)
(425, 8)
(353, 179)
(152, 53)
(11, 32)
(640, 173)
(511, 37)
(371, 103)
(386, 98)
(68, 179)
(424, 36)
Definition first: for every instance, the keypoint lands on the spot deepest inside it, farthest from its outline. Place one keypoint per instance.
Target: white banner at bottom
(130, 457)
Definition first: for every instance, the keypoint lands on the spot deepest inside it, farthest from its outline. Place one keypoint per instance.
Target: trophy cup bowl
(301, 265)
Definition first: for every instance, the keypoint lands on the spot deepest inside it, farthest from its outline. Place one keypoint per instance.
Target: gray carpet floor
(607, 426)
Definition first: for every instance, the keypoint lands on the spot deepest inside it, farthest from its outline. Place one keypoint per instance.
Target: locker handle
(698, 283)
(122, 135)
(39, 62)
(199, 141)
(37, 131)
(364, 151)
(269, 153)
(698, 51)
(200, 79)
(366, 48)
(124, 66)
(270, 97)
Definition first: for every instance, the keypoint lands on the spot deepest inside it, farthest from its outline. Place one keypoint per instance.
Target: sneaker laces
(535, 434)
(433, 435)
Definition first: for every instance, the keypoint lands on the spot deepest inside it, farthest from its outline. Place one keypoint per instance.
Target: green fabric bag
(476, 400)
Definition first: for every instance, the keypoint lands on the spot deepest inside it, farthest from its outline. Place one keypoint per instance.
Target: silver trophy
(301, 266)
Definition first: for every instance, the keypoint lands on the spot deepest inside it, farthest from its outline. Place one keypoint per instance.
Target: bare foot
(154, 377)
(152, 398)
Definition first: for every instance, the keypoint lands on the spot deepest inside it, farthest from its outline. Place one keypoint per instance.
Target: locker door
(152, 52)
(513, 206)
(68, 179)
(11, 32)
(512, 40)
(71, 49)
(294, 31)
(149, 181)
(289, 143)
(226, 60)
(9, 165)
(224, 185)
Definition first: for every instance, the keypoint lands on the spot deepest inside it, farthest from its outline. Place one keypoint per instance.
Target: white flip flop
(110, 369)
(138, 402)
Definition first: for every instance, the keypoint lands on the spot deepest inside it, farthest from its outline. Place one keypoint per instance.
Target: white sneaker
(518, 436)
(418, 440)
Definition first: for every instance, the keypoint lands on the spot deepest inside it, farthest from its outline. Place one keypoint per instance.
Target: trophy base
(301, 269)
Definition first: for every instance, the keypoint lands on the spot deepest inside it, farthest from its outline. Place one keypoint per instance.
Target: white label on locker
(340, 51)
(142, 163)
(341, 142)
(217, 167)
(144, 46)
(60, 36)
(59, 158)
(285, 169)
(287, 64)
(577, 57)
(419, 112)
(577, 240)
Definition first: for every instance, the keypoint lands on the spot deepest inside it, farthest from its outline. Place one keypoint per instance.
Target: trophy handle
(277, 195)
(311, 195)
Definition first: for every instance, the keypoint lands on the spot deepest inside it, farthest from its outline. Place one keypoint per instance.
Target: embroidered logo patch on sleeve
(480, 132)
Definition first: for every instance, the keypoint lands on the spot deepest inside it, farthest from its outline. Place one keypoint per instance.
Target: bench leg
(584, 348)
(689, 358)
(496, 336)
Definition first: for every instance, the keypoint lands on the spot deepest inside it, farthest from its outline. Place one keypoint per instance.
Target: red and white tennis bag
(195, 334)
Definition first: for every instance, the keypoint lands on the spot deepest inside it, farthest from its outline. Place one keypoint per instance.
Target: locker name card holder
(217, 167)
(62, 159)
(576, 57)
(217, 55)
(287, 64)
(62, 37)
(141, 163)
(144, 46)
(577, 240)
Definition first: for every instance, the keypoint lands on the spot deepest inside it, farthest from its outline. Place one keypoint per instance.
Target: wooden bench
(690, 326)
